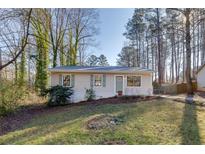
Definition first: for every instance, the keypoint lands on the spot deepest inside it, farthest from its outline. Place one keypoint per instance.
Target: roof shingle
(98, 69)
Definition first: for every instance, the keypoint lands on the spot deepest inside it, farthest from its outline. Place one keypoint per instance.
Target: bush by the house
(90, 94)
(10, 96)
(59, 95)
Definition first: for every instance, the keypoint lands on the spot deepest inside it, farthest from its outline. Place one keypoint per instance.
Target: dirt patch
(16, 120)
(104, 121)
(114, 142)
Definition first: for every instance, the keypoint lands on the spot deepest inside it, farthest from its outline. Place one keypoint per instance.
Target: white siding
(201, 79)
(108, 90)
(82, 82)
(54, 79)
(144, 89)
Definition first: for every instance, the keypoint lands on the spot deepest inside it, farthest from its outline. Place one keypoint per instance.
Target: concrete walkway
(198, 98)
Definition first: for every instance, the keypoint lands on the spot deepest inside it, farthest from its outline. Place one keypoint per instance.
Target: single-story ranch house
(106, 81)
(201, 78)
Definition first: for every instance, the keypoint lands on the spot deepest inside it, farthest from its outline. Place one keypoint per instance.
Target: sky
(111, 28)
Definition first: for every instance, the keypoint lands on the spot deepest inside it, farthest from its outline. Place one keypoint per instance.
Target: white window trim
(94, 81)
(135, 86)
(62, 80)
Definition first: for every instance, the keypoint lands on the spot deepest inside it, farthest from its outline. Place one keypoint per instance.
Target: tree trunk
(183, 50)
(29, 66)
(193, 49)
(203, 42)
(139, 52)
(172, 55)
(198, 45)
(159, 48)
(22, 69)
(55, 57)
(16, 71)
(147, 54)
(178, 58)
(62, 56)
(188, 52)
(152, 51)
(0, 65)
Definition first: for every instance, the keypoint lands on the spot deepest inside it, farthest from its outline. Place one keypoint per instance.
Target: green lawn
(152, 122)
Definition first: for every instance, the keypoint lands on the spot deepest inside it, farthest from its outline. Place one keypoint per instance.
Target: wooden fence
(174, 88)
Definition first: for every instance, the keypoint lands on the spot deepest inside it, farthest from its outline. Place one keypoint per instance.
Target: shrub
(59, 95)
(90, 94)
(33, 98)
(10, 96)
(156, 85)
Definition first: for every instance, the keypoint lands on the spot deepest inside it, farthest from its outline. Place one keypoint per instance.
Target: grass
(151, 122)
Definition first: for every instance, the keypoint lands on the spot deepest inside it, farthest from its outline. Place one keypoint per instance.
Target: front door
(119, 85)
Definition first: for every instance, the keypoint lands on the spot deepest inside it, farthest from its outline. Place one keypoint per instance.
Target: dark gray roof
(98, 69)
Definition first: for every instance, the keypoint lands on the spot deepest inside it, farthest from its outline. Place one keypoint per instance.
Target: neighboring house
(106, 81)
(201, 78)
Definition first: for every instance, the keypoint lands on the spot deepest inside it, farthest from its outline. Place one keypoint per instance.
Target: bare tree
(82, 31)
(0, 64)
(26, 15)
(58, 26)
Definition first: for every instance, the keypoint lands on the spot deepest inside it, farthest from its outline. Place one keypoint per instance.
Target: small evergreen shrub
(90, 94)
(59, 95)
(10, 96)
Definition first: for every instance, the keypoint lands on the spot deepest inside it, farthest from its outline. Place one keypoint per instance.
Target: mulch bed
(16, 120)
(117, 100)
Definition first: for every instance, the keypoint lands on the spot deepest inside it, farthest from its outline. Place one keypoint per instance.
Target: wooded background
(32, 40)
(169, 41)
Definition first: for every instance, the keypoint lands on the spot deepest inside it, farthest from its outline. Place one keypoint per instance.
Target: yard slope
(159, 121)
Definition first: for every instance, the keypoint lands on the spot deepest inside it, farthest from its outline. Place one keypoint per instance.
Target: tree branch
(23, 44)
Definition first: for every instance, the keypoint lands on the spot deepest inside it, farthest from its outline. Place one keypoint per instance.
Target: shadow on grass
(189, 126)
(65, 127)
(48, 124)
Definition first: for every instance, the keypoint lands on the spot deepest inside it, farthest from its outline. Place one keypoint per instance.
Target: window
(98, 80)
(66, 80)
(134, 81)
